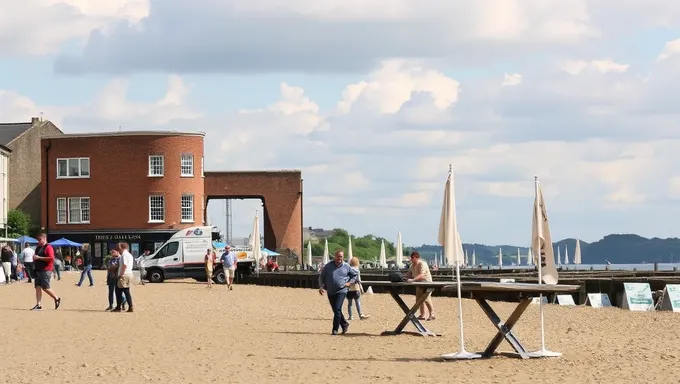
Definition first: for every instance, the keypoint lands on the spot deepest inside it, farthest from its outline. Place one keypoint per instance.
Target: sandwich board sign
(565, 300)
(598, 300)
(671, 298)
(507, 280)
(637, 297)
(536, 300)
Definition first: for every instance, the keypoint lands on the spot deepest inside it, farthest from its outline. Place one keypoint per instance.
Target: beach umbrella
(559, 257)
(577, 252)
(519, 257)
(255, 243)
(474, 257)
(500, 257)
(383, 256)
(449, 239)
(309, 254)
(400, 251)
(566, 254)
(467, 260)
(349, 249)
(541, 241)
(325, 252)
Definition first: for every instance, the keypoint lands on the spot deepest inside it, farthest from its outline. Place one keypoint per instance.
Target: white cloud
(670, 49)
(41, 26)
(603, 66)
(512, 79)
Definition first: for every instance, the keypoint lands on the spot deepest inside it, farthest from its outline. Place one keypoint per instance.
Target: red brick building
(139, 187)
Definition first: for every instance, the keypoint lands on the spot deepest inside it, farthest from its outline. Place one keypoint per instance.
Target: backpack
(396, 277)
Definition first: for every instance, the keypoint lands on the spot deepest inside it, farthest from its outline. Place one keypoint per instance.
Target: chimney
(35, 120)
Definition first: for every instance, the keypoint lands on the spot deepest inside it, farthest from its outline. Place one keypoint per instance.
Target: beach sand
(183, 332)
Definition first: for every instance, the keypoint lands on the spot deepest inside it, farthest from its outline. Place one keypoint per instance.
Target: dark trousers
(57, 270)
(112, 284)
(336, 301)
(14, 272)
(28, 270)
(120, 292)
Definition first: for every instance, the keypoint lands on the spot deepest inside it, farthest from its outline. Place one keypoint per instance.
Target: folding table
(395, 289)
(481, 292)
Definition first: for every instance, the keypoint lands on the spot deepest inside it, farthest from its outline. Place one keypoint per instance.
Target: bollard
(656, 267)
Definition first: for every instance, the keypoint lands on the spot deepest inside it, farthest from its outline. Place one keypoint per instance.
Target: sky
(373, 100)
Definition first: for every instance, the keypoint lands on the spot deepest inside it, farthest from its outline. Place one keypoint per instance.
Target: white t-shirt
(127, 260)
(27, 255)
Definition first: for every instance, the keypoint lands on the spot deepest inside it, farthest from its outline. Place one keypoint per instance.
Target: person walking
(43, 263)
(355, 290)
(58, 264)
(112, 280)
(209, 260)
(6, 259)
(87, 266)
(15, 262)
(140, 265)
(228, 260)
(27, 259)
(124, 278)
(336, 277)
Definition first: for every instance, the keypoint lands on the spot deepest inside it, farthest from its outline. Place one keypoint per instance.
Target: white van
(183, 256)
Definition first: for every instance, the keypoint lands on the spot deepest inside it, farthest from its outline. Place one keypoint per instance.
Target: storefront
(102, 242)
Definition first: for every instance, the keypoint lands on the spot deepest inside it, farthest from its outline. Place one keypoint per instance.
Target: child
(20, 272)
(355, 291)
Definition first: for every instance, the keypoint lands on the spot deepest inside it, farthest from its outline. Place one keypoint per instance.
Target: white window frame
(152, 166)
(151, 218)
(202, 166)
(189, 218)
(80, 161)
(62, 209)
(81, 200)
(187, 164)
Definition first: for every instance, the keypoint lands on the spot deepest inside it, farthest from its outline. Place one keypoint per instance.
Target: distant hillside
(618, 249)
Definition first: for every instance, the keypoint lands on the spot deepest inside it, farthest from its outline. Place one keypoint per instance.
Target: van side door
(170, 260)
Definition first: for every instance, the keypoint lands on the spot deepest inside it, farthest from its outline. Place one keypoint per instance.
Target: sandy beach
(183, 332)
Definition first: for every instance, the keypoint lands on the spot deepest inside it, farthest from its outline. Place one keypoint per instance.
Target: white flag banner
(540, 236)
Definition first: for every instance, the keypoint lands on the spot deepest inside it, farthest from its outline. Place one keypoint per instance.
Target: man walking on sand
(43, 264)
(124, 277)
(87, 266)
(336, 277)
(228, 260)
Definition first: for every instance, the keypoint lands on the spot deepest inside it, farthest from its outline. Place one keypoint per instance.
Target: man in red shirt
(43, 265)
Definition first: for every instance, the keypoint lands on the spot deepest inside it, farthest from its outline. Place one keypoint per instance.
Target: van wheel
(220, 277)
(155, 276)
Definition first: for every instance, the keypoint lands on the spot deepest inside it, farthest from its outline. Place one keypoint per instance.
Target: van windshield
(169, 249)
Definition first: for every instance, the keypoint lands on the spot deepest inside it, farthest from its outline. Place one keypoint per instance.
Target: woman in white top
(355, 290)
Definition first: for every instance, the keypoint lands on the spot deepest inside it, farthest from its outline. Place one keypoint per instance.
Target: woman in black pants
(112, 278)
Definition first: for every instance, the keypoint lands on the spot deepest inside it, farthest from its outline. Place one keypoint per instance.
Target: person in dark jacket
(6, 255)
(87, 266)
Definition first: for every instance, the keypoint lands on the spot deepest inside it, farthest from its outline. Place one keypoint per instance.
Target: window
(156, 165)
(78, 210)
(156, 209)
(187, 208)
(170, 249)
(73, 168)
(187, 165)
(62, 211)
(202, 166)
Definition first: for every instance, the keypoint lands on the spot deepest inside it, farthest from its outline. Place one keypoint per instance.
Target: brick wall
(119, 185)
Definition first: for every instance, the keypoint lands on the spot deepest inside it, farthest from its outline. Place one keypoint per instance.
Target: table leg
(504, 328)
(410, 315)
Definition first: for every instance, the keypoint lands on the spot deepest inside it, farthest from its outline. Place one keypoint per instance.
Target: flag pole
(462, 354)
(543, 352)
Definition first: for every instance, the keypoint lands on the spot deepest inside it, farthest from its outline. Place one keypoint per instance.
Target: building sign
(118, 237)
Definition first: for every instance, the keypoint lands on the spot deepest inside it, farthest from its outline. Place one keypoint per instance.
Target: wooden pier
(591, 281)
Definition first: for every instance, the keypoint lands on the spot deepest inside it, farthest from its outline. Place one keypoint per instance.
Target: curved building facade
(138, 187)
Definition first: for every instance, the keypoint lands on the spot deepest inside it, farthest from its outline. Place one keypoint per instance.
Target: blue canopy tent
(269, 252)
(26, 239)
(65, 243)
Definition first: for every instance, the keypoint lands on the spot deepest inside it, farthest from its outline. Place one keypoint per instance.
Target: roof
(123, 133)
(10, 131)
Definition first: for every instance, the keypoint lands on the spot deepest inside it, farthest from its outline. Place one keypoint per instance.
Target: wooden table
(482, 291)
(395, 289)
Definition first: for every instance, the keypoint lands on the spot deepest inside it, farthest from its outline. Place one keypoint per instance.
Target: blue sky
(374, 100)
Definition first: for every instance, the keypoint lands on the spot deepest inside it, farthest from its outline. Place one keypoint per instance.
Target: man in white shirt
(27, 258)
(124, 277)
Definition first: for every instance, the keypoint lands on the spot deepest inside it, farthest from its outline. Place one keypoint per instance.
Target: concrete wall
(25, 170)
